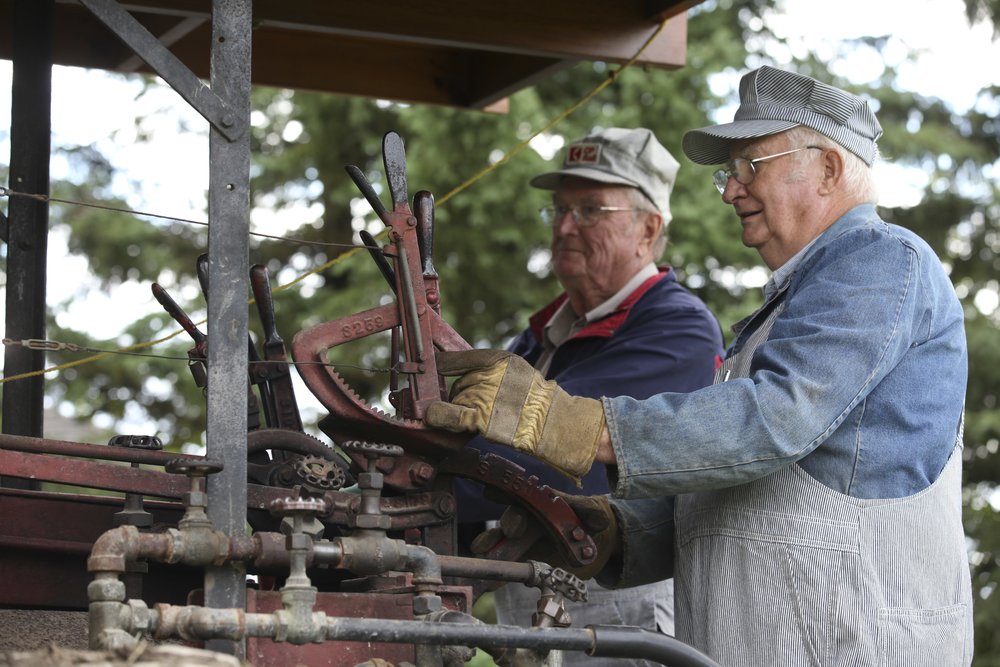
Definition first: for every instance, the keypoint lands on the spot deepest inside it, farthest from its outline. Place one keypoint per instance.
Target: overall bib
(786, 571)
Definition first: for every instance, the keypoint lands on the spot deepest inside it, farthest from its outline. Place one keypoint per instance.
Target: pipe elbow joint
(113, 549)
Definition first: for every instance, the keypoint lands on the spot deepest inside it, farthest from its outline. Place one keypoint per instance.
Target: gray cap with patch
(619, 156)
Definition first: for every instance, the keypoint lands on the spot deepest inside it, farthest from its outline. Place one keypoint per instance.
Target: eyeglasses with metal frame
(743, 170)
(583, 216)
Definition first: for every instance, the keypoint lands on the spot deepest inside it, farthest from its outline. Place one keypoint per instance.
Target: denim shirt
(861, 381)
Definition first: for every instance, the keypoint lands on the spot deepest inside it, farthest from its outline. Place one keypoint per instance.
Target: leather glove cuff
(571, 434)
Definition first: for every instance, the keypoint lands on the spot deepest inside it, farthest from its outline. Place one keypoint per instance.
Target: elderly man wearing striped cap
(818, 517)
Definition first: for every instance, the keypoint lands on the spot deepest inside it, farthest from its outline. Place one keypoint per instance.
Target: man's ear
(833, 171)
(651, 224)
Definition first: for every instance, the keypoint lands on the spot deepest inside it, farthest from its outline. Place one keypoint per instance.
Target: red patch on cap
(583, 154)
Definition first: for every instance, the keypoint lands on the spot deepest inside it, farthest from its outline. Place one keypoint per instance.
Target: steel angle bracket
(201, 97)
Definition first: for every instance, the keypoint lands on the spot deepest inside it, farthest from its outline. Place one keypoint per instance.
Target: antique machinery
(352, 547)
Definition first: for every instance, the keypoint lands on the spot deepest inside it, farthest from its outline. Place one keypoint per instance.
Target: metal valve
(299, 516)
(196, 500)
(370, 482)
(319, 475)
(133, 513)
(299, 513)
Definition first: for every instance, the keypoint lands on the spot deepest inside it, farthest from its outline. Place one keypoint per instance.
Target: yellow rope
(566, 113)
(87, 360)
(612, 76)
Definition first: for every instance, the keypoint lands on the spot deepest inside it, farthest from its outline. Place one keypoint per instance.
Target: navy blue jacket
(661, 338)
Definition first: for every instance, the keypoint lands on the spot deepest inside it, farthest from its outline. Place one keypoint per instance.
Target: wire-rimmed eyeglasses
(744, 171)
(583, 216)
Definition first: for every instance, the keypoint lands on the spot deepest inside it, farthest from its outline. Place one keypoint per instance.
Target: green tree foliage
(984, 10)
(491, 248)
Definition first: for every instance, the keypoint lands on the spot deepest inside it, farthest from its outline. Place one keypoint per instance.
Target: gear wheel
(319, 475)
(371, 449)
(296, 443)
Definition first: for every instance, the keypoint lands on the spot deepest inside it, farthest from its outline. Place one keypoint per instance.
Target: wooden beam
(449, 52)
(578, 29)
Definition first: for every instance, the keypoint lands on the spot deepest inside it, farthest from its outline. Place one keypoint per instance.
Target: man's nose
(566, 223)
(733, 190)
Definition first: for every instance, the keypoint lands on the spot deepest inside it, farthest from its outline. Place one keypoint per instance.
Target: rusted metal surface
(20, 443)
(273, 370)
(45, 539)
(559, 522)
(94, 475)
(405, 511)
(415, 314)
(403, 471)
(91, 474)
(281, 469)
(391, 602)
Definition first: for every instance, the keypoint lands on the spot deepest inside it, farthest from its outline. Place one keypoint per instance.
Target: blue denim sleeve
(647, 528)
(851, 312)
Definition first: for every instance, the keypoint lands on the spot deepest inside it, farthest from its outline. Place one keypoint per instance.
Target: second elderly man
(623, 327)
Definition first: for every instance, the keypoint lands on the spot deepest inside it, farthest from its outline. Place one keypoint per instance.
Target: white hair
(859, 180)
(646, 207)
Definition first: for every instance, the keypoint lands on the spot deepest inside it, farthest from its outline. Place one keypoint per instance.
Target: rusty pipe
(118, 546)
(483, 568)
(193, 546)
(201, 623)
(423, 563)
(22, 443)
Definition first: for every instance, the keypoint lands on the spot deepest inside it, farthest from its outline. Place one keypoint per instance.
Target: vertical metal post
(228, 269)
(31, 121)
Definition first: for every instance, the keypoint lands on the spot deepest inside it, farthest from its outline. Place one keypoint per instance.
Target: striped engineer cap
(772, 101)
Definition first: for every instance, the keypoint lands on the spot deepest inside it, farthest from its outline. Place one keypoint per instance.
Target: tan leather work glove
(594, 511)
(500, 396)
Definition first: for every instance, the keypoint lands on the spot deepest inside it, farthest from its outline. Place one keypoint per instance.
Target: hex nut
(105, 589)
(140, 616)
(425, 604)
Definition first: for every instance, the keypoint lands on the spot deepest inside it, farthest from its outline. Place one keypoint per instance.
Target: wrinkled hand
(594, 511)
(500, 396)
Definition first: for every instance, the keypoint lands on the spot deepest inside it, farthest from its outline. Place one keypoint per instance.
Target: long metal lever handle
(176, 312)
(376, 252)
(261, 286)
(369, 193)
(423, 210)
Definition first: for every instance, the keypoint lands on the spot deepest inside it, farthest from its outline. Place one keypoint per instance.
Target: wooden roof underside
(450, 52)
